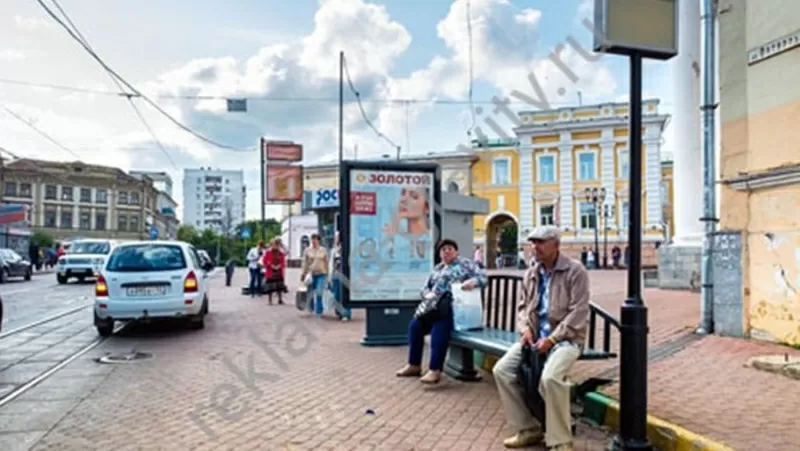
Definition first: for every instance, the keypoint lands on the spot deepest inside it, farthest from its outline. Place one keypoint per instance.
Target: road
(27, 302)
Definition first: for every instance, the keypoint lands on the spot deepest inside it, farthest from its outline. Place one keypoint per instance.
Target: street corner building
(757, 248)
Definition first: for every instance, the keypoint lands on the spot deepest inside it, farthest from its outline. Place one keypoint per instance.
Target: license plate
(146, 291)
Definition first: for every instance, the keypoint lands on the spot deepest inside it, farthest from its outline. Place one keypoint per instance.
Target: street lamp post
(636, 30)
(596, 197)
(608, 212)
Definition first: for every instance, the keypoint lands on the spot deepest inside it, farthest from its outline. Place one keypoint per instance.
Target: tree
(188, 234)
(42, 239)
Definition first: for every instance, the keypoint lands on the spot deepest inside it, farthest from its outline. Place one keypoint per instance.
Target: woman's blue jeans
(336, 287)
(440, 338)
(318, 287)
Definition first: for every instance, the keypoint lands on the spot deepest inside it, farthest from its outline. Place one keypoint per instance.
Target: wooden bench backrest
(500, 298)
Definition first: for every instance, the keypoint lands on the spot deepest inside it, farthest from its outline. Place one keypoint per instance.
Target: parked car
(13, 265)
(152, 280)
(83, 259)
(1, 314)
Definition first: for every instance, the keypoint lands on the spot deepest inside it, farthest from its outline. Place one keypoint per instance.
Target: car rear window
(90, 247)
(146, 257)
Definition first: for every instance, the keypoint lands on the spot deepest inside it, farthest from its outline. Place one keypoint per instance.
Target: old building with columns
(569, 167)
(77, 199)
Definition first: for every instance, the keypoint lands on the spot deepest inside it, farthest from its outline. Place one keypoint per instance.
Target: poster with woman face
(391, 234)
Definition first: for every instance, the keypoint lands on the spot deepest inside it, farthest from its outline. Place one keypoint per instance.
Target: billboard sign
(284, 183)
(389, 231)
(282, 151)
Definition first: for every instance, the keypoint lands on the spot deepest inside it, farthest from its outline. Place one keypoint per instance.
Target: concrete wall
(760, 107)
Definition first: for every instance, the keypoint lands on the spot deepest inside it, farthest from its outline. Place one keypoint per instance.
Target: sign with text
(282, 151)
(325, 198)
(392, 233)
(284, 183)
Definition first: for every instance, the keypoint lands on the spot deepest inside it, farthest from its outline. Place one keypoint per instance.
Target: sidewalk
(258, 377)
(701, 383)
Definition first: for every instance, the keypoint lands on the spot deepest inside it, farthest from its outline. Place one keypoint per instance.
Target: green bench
(499, 333)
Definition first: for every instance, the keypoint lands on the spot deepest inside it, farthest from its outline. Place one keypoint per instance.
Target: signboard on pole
(237, 105)
(284, 183)
(389, 230)
(282, 151)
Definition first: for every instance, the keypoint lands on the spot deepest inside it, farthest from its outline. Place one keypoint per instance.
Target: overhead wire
(128, 96)
(30, 124)
(133, 89)
(363, 112)
(310, 99)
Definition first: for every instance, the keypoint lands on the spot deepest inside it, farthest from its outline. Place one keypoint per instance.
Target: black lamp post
(608, 212)
(596, 197)
(618, 30)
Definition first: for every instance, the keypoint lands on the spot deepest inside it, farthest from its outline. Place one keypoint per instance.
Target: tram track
(45, 320)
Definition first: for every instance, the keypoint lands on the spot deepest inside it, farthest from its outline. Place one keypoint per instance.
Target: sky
(413, 64)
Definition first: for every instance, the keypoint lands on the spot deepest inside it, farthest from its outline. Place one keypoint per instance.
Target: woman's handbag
(434, 308)
(301, 297)
(530, 372)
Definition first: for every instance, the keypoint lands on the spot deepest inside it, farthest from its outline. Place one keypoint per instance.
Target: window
(86, 194)
(134, 225)
(134, 198)
(587, 216)
(547, 215)
(146, 257)
(85, 220)
(623, 164)
(90, 247)
(664, 194)
(50, 219)
(122, 223)
(587, 167)
(101, 196)
(100, 221)
(623, 214)
(51, 192)
(501, 171)
(25, 190)
(66, 219)
(66, 193)
(11, 189)
(122, 198)
(547, 169)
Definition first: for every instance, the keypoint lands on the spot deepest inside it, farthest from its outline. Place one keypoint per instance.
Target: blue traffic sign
(246, 233)
(153, 232)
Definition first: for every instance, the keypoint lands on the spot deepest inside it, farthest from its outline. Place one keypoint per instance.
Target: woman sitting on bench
(434, 315)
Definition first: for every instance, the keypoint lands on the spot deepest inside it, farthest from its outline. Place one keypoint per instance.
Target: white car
(151, 280)
(83, 259)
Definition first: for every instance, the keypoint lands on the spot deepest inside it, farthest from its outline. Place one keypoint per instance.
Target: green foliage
(233, 246)
(42, 239)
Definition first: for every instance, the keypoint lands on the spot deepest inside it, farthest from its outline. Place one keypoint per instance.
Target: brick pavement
(258, 377)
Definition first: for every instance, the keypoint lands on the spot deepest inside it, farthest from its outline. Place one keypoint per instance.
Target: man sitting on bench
(553, 314)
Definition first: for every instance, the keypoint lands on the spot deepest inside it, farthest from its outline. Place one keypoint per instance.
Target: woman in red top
(274, 262)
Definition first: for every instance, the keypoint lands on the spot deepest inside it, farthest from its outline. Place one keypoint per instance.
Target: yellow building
(559, 157)
(760, 168)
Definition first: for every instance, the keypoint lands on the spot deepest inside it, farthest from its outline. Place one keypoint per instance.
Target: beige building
(757, 278)
(82, 200)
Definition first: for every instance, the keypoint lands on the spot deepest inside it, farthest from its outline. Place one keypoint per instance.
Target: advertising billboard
(284, 183)
(390, 228)
(282, 151)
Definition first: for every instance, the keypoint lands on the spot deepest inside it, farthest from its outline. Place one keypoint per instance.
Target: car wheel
(104, 327)
(205, 307)
(198, 321)
(28, 274)
(4, 276)
(61, 279)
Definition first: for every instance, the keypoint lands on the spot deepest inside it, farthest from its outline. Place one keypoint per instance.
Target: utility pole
(341, 107)
(263, 152)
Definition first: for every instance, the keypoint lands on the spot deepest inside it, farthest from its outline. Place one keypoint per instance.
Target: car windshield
(90, 247)
(146, 257)
(9, 255)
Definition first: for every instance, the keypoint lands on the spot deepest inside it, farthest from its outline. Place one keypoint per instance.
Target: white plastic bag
(467, 308)
(307, 281)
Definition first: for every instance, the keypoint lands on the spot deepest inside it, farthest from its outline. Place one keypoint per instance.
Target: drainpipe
(709, 164)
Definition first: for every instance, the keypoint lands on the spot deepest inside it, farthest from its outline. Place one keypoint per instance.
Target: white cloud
(31, 23)
(10, 55)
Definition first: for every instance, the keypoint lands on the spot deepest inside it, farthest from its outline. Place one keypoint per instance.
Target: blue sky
(395, 49)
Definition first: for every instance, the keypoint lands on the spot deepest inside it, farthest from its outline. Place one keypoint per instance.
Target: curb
(604, 411)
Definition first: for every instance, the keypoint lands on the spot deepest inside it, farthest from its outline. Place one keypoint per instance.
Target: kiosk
(393, 215)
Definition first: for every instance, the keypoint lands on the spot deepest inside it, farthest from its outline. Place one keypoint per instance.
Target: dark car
(13, 265)
(1, 314)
